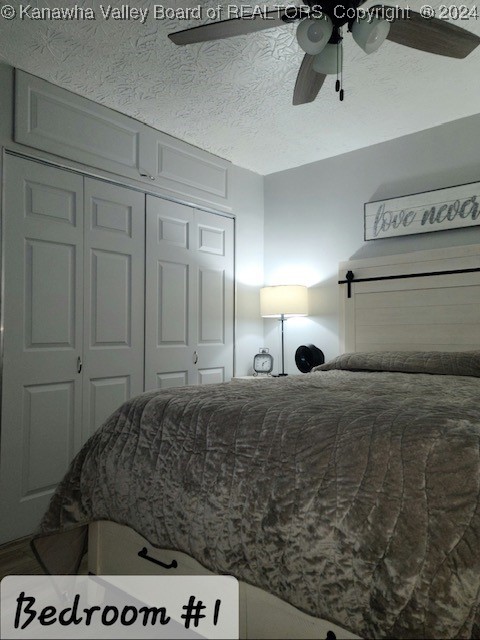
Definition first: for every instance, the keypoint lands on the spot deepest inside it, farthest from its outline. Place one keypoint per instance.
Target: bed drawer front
(130, 554)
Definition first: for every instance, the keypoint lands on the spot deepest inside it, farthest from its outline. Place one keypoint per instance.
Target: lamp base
(280, 375)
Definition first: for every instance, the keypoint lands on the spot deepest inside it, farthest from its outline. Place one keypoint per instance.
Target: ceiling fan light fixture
(329, 60)
(370, 34)
(313, 34)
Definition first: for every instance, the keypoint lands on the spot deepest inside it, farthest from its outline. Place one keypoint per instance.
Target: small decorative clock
(262, 362)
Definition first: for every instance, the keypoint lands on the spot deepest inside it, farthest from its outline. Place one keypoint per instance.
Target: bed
(345, 500)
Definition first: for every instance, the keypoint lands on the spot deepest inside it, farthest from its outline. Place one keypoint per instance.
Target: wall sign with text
(449, 208)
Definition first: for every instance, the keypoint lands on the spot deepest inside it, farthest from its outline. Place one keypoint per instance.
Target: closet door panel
(189, 292)
(214, 279)
(192, 173)
(70, 126)
(214, 375)
(105, 395)
(43, 307)
(173, 295)
(114, 299)
(170, 323)
(49, 423)
(50, 279)
(111, 307)
(211, 306)
(168, 380)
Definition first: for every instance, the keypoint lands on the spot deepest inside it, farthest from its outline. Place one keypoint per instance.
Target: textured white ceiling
(233, 97)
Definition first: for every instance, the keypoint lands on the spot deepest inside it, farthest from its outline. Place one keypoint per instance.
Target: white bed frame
(431, 313)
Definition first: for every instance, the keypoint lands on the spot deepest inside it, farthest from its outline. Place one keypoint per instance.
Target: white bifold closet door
(114, 299)
(73, 325)
(189, 296)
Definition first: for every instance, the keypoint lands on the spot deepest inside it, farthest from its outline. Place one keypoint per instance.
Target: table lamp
(283, 301)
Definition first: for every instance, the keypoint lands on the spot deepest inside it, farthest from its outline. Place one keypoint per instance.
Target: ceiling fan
(319, 34)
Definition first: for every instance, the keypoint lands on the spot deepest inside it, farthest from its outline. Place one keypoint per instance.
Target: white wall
(314, 218)
(247, 194)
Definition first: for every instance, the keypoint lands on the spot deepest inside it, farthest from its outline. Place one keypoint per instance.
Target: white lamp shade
(289, 300)
(330, 60)
(370, 35)
(313, 34)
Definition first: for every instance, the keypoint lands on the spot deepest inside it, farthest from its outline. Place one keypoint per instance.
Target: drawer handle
(79, 365)
(144, 554)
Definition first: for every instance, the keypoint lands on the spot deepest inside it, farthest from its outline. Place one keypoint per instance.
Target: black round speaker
(308, 356)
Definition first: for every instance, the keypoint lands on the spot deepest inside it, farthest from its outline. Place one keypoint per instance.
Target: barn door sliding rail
(350, 277)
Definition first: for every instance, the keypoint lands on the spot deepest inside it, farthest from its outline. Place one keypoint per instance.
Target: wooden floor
(16, 558)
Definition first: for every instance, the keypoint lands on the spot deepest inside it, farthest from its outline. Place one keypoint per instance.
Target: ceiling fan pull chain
(337, 83)
(342, 93)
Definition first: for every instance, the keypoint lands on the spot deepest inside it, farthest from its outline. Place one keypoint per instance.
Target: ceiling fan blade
(432, 35)
(308, 83)
(228, 28)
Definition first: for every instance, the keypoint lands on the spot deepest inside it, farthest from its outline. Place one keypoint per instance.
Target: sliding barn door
(43, 307)
(114, 299)
(189, 296)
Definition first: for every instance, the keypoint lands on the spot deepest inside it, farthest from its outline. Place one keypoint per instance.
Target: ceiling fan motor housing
(340, 13)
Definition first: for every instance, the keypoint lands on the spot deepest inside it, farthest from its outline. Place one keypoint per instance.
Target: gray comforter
(353, 495)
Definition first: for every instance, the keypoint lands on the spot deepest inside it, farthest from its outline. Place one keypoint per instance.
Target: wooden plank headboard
(434, 313)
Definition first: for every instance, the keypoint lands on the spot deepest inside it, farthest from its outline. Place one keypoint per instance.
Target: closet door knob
(79, 364)
(195, 357)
